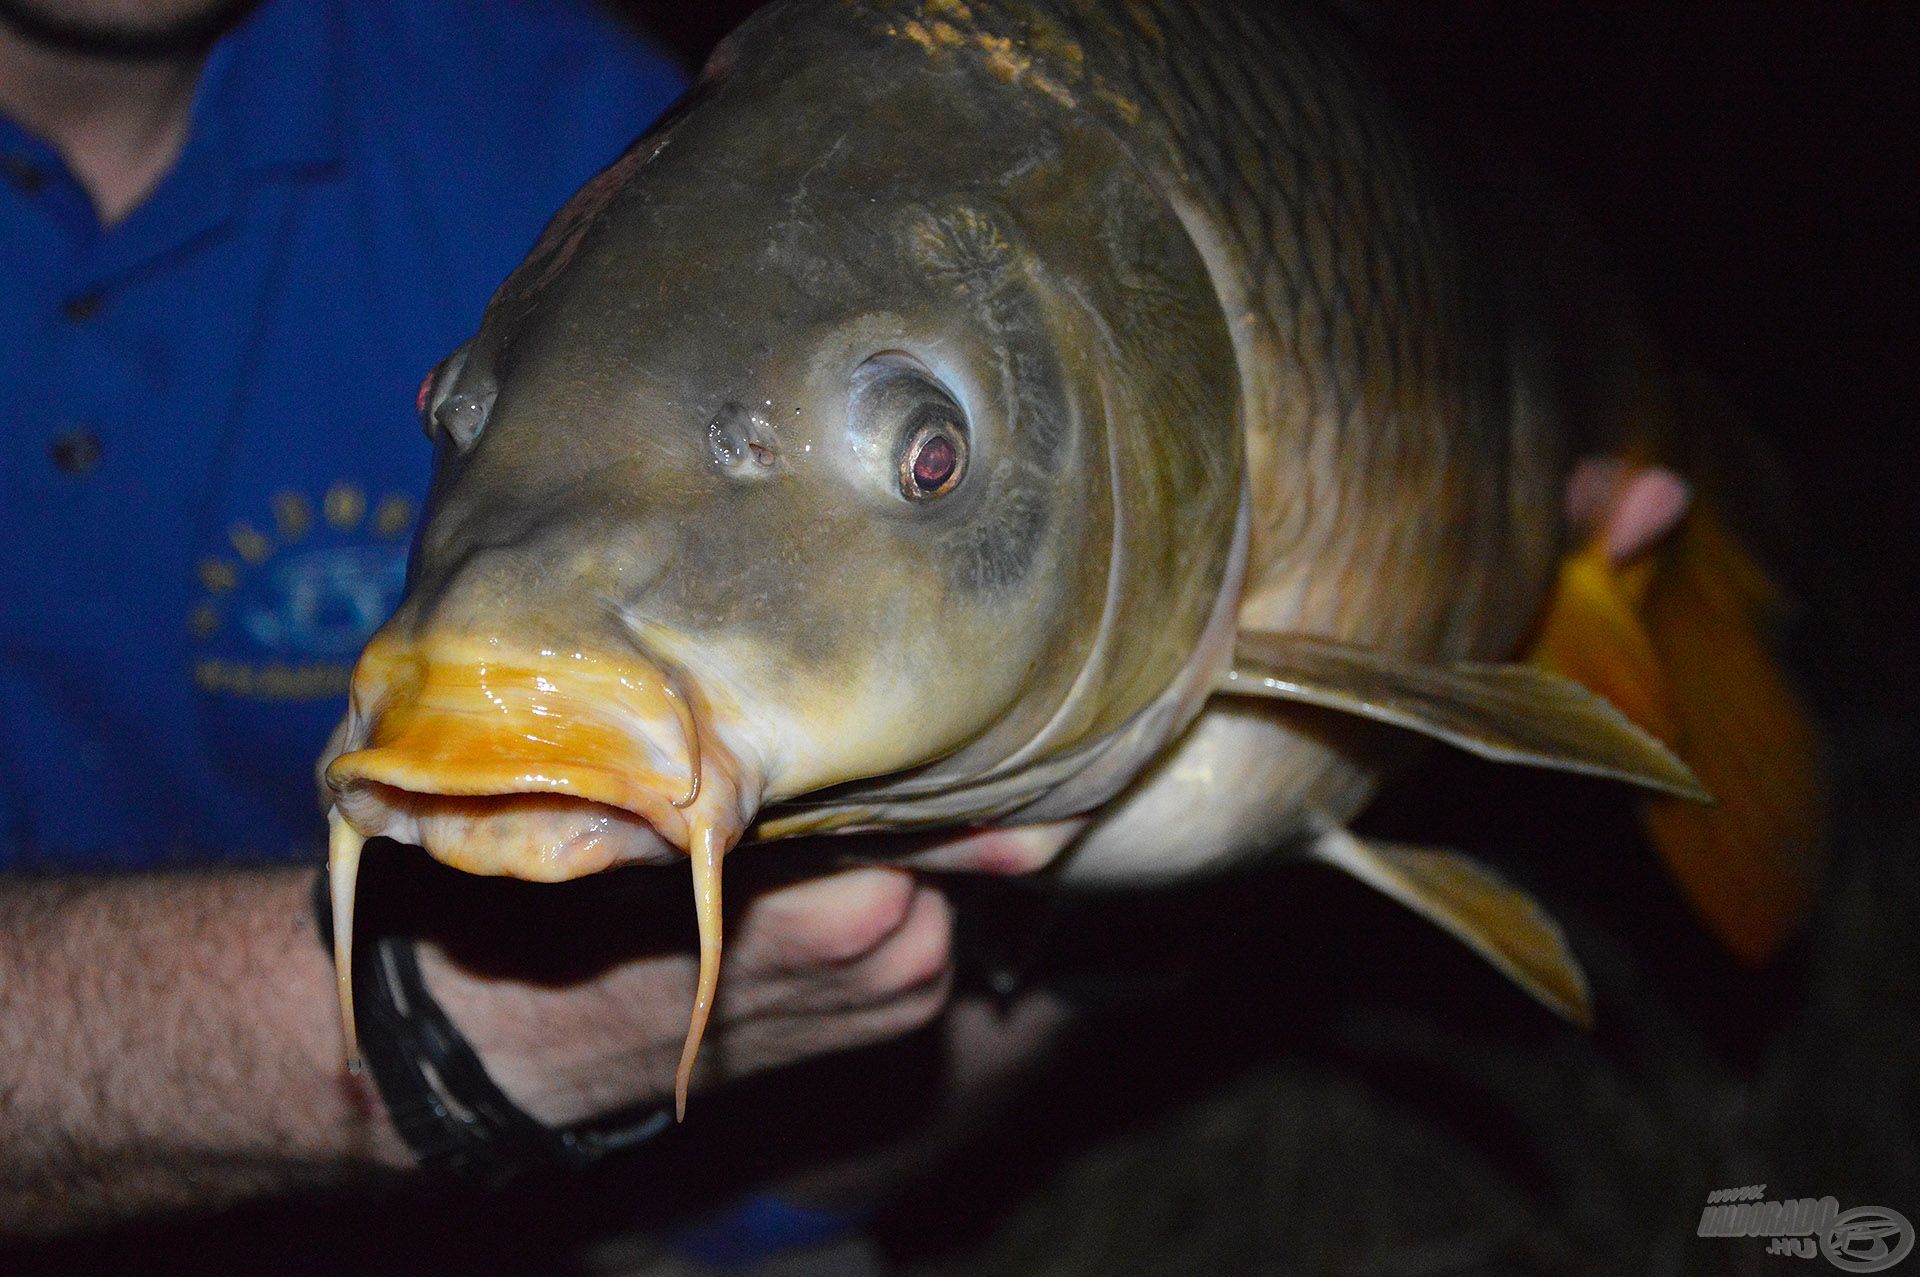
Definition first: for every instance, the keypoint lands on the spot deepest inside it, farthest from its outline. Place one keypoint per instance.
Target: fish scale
(1370, 357)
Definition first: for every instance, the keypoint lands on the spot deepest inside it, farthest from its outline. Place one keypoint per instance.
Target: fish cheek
(994, 555)
(768, 568)
(1029, 455)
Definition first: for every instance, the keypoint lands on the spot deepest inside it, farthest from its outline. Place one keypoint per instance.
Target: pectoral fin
(1492, 917)
(1508, 713)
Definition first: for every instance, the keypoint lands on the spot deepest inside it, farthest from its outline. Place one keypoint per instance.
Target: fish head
(861, 450)
(806, 452)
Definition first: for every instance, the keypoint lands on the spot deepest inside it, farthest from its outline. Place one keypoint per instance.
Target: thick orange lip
(539, 764)
(466, 720)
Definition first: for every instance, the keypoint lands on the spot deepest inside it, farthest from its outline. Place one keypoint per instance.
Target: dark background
(1347, 1092)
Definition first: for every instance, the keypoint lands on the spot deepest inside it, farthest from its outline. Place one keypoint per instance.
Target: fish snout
(544, 763)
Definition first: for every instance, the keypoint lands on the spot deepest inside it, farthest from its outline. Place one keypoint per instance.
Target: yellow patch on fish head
(535, 763)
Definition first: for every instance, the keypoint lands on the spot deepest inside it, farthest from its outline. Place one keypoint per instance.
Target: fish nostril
(742, 441)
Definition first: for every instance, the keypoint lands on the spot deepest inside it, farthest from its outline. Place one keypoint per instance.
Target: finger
(771, 1041)
(830, 921)
(1647, 508)
(916, 955)
(912, 957)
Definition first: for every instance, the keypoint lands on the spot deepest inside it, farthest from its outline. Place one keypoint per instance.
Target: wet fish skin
(1223, 360)
(989, 252)
(1228, 362)
(1403, 446)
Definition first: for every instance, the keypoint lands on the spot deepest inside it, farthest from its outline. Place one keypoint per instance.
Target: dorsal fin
(1489, 915)
(1508, 713)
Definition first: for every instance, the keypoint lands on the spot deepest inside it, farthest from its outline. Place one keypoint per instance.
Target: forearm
(173, 1042)
(170, 1042)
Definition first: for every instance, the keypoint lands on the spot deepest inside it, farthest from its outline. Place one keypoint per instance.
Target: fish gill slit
(344, 844)
(706, 899)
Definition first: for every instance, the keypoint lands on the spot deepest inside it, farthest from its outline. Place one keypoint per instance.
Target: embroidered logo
(283, 616)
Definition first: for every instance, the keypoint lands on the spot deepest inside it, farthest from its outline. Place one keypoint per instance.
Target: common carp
(1091, 429)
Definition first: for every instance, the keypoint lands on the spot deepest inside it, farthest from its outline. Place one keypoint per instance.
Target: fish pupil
(933, 464)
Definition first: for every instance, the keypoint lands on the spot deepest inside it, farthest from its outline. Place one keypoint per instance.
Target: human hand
(581, 1023)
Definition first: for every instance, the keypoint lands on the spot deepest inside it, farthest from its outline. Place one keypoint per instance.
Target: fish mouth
(540, 764)
(543, 765)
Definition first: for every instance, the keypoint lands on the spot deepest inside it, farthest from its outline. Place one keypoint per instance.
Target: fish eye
(451, 410)
(934, 454)
(908, 426)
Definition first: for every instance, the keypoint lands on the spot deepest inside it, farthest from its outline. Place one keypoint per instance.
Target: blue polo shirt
(210, 462)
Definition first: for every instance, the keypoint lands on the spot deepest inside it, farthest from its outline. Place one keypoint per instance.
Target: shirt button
(75, 452)
(78, 310)
(22, 173)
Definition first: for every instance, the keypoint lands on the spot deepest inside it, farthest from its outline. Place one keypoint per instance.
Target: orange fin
(1675, 639)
